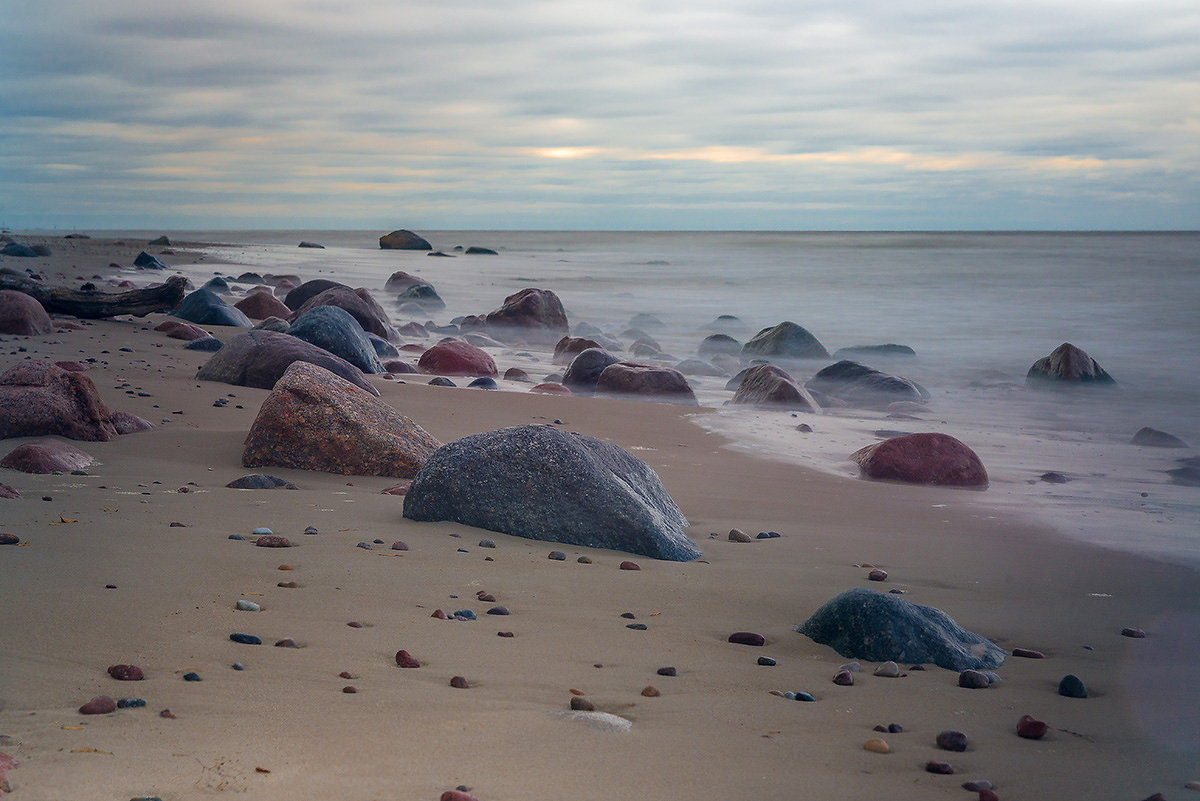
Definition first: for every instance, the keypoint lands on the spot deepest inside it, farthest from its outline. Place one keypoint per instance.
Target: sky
(600, 114)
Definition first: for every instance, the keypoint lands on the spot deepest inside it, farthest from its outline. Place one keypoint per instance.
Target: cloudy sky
(739, 114)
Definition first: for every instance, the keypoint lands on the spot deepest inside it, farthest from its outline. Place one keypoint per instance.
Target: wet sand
(284, 728)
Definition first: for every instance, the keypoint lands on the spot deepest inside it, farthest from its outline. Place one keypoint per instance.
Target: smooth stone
(1072, 686)
(131, 703)
(237, 537)
(485, 543)
(1136, 634)
(286, 642)
(843, 678)
(650, 691)
(100, 705)
(126, 672)
(736, 535)
(877, 575)
(977, 784)
(951, 740)
(583, 560)
(9, 539)
(637, 626)
(274, 541)
(627, 565)
(747, 638)
(557, 556)
(349, 689)
(262, 530)
(888, 670)
(399, 545)
(238, 666)
(192, 675)
(248, 606)
(1031, 728)
(310, 530)
(466, 614)
(1028, 653)
(582, 704)
(406, 660)
(459, 683)
(246, 639)
(667, 671)
(791, 696)
(766, 661)
(803, 696)
(973, 680)
(877, 746)
(853, 667)
(941, 768)
(498, 610)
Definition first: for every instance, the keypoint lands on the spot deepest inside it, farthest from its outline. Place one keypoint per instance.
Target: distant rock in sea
(403, 239)
(306, 244)
(785, 341)
(1065, 366)
(1153, 438)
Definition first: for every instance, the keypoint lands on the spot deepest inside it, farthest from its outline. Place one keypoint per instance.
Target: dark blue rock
(383, 348)
(18, 250)
(131, 703)
(148, 262)
(308, 290)
(803, 696)
(879, 627)
(767, 535)
(335, 330)
(246, 639)
(636, 626)
(498, 610)
(441, 381)
(204, 307)
(585, 369)
(238, 666)
(259, 481)
(1072, 686)
(484, 382)
(237, 536)
(192, 675)
(766, 661)
(859, 385)
(557, 556)
(208, 344)
(465, 613)
(366, 546)
(546, 484)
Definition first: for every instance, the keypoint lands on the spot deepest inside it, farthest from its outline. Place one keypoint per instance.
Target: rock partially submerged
(860, 385)
(403, 239)
(455, 357)
(881, 627)
(1065, 366)
(927, 458)
(531, 315)
(647, 382)
(585, 369)
(1149, 437)
(314, 420)
(38, 398)
(46, 456)
(785, 341)
(767, 385)
(546, 484)
(259, 359)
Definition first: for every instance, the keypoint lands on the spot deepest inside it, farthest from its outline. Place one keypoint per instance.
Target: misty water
(978, 309)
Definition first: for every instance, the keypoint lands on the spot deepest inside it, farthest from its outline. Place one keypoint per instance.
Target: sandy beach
(284, 727)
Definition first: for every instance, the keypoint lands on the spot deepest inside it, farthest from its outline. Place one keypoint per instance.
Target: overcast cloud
(616, 114)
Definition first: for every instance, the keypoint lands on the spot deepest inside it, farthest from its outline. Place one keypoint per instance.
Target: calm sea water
(978, 308)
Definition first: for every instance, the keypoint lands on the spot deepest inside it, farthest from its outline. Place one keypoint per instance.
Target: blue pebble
(768, 535)
(130, 703)
(236, 537)
(378, 542)
(636, 626)
(557, 556)
(800, 696)
(788, 694)
(191, 675)
(766, 661)
(246, 639)
(261, 531)
(463, 550)
(366, 546)
(238, 666)
(465, 613)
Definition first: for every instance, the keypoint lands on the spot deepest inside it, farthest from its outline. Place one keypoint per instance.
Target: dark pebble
(636, 626)
(458, 682)
(803, 696)
(366, 546)
(877, 575)
(498, 610)
(131, 703)
(237, 537)
(629, 615)
(504, 634)
(238, 666)
(941, 768)
(630, 566)
(310, 530)
(951, 740)
(464, 614)
(767, 535)
(1136, 634)
(895, 728)
(192, 675)
(582, 704)
(1072, 686)
(100, 705)
(486, 597)
(1030, 728)
(406, 660)
(246, 639)
(1028, 653)
(377, 541)
(976, 785)
(557, 556)
(9, 539)
(973, 680)
(126, 672)
(345, 674)
(110, 586)
(274, 541)
(286, 642)
(399, 545)
(766, 661)
(287, 585)
(747, 638)
(463, 550)
(667, 671)
(349, 688)
(486, 544)
(583, 560)
(843, 678)
(354, 624)
(166, 713)
(879, 727)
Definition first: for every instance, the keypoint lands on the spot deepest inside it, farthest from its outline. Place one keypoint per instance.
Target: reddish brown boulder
(531, 315)
(397, 366)
(646, 381)
(39, 398)
(177, 329)
(314, 420)
(1066, 365)
(767, 385)
(46, 456)
(9, 492)
(360, 305)
(261, 305)
(923, 459)
(259, 359)
(516, 374)
(457, 358)
(551, 388)
(127, 423)
(570, 347)
(73, 367)
(400, 281)
(403, 239)
(414, 330)
(23, 315)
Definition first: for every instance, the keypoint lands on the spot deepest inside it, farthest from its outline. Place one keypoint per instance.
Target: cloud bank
(759, 114)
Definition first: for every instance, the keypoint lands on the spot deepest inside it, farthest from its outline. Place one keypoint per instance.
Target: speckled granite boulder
(646, 382)
(38, 398)
(259, 359)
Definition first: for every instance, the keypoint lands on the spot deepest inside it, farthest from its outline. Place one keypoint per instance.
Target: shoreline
(715, 730)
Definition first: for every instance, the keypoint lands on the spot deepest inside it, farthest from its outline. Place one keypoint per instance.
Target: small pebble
(888, 670)
(498, 610)
(582, 704)
(636, 626)
(843, 678)
(895, 728)
(406, 660)
(803, 696)
(458, 682)
(354, 624)
(345, 674)
(439, 614)
(377, 541)
(457, 795)
(192, 675)
(1136, 634)
(100, 705)
(1030, 728)
(941, 768)
(583, 560)
(877, 575)
(485, 597)
(877, 746)
(9, 539)
(366, 546)
(284, 567)
(349, 689)
(399, 545)
(767, 535)
(247, 606)
(486, 544)
(667, 671)
(976, 785)
(504, 634)
(973, 680)
(288, 585)
(166, 713)
(766, 661)
(1028, 653)
(1072, 686)
(126, 672)
(131, 703)
(236, 537)
(286, 642)
(246, 639)
(274, 541)
(238, 666)
(747, 638)
(465, 614)
(629, 615)
(261, 531)
(951, 740)
(630, 566)
(310, 530)
(650, 691)
(988, 795)
(557, 556)
(737, 535)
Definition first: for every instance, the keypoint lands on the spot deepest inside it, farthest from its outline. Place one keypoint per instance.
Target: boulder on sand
(785, 341)
(646, 381)
(177, 329)
(546, 484)
(38, 398)
(531, 315)
(1066, 365)
(314, 420)
(360, 305)
(767, 385)
(260, 358)
(262, 304)
(403, 239)
(126, 423)
(927, 458)
(204, 307)
(567, 348)
(44, 456)
(456, 357)
(21, 314)
(859, 385)
(585, 369)
(881, 627)
(333, 329)
(298, 296)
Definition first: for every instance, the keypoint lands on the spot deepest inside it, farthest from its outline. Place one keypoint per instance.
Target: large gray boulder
(880, 627)
(863, 386)
(585, 369)
(259, 358)
(546, 484)
(335, 330)
(785, 341)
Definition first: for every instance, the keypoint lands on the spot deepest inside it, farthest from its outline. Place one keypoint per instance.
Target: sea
(977, 308)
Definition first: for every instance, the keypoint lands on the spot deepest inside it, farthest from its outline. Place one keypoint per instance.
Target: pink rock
(531, 315)
(126, 423)
(1030, 728)
(261, 305)
(843, 678)
(400, 281)
(988, 794)
(126, 672)
(406, 660)
(177, 329)
(72, 367)
(46, 456)
(627, 565)
(457, 795)
(937, 459)
(551, 388)
(767, 385)
(38, 398)
(646, 381)
(21, 314)
(457, 358)
(459, 683)
(100, 705)
(569, 347)
(9, 492)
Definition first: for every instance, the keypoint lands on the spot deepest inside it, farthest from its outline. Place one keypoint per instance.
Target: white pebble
(248, 606)
(262, 530)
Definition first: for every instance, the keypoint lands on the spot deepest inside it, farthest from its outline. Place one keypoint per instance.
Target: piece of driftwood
(95, 305)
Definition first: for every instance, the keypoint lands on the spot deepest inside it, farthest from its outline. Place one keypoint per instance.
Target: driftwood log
(96, 305)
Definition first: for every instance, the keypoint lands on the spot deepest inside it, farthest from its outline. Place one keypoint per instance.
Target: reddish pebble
(284, 567)
(399, 545)
(1137, 634)
(406, 660)
(630, 566)
(1031, 729)
(988, 795)
(439, 614)
(286, 642)
(345, 674)
(349, 688)
(457, 795)
(126, 672)
(877, 575)
(459, 682)
(843, 678)
(288, 585)
(941, 768)
(1028, 653)
(354, 624)
(100, 705)
(747, 638)
(504, 634)
(9, 539)
(273, 541)
(166, 713)
(487, 598)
